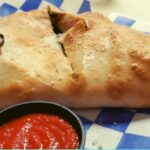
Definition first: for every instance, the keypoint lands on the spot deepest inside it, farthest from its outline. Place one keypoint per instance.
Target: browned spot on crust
(11, 94)
(139, 72)
(69, 38)
(116, 69)
(16, 88)
(77, 29)
(22, 90)
(75, 76)
(140, 56)
(27, 90)
(78, 84)
(116, 89)
(132, 53)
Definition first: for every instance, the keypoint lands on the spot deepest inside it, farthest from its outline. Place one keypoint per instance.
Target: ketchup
(38, 131)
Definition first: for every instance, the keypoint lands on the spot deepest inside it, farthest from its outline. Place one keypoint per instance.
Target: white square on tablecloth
(140, 125)
(15, 3)
(101, 137)
(43, 4)
(71, 6)
(142, 25)
(90, 114)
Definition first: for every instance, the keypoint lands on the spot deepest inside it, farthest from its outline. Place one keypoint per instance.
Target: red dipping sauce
(38, 131)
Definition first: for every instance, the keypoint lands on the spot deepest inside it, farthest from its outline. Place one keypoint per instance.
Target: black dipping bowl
(23, 109)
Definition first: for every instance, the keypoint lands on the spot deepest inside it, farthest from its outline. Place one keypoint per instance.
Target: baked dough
(76, 60)
(32, 64)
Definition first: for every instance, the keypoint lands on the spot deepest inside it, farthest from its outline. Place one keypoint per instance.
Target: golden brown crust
(114, 60)
(103, 64)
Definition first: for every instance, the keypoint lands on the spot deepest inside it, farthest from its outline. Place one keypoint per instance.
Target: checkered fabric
(116, 128)
(11, 6)
(108, 128)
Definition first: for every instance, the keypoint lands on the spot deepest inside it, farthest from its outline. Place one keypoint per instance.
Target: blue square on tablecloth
(124, 21)
(84, 6)
(143, 111)
(31, 4)
(115, 118)
(7, 9)
(87, 123)
(55, 2)
(132, 141)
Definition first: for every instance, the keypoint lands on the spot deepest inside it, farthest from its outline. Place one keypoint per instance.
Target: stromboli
(91, 62)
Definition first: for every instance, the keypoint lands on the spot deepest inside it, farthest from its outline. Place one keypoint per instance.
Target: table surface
(134, 8)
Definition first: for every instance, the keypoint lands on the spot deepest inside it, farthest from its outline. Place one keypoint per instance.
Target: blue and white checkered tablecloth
(11, 6)
(107, 128)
